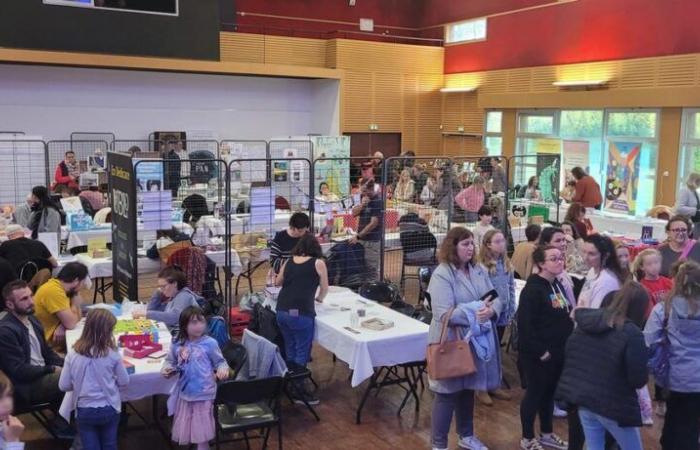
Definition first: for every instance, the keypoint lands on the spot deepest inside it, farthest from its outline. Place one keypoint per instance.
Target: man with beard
(58, 303)
(28, 361)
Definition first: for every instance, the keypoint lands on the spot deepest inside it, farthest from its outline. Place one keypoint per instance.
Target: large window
(619, 148)
(690, 145)
(466, 31)
(493, 135)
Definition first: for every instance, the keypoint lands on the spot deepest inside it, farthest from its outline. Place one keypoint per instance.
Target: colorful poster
(622, 180)
(333, 164)
(548, 156)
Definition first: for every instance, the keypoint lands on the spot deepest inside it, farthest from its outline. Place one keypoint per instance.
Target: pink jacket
(471, 198)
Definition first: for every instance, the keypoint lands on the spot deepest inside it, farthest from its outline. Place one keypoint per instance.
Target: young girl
(647, 268)
(195, 357)
(494, 257)
(94, 372)
(10, 426)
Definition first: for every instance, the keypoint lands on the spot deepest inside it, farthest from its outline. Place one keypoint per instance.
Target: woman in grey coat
(456, 282)
(681, 425)
(688, 203)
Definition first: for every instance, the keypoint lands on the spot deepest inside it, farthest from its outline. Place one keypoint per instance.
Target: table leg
(372, 385)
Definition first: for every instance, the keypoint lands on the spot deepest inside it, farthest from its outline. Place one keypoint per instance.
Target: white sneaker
(560, 413)
(471, 443)
(530, 444)
(438, 448)
(553, 441)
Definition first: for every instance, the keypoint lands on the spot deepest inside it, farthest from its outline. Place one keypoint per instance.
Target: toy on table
(136, 326)
(139, 345)
(130, 368)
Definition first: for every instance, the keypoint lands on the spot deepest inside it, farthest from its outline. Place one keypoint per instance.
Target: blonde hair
(638, 263)
(97, 338)
(487, 258)
(686, 284)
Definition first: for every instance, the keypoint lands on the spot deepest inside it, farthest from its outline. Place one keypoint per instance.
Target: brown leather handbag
(449, 359)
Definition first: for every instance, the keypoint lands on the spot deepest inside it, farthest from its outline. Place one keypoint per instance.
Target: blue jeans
(298, 334)
(445, 406)
(98, 428)
(595, 425)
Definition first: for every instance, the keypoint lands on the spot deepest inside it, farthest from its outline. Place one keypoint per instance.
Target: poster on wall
(548, 162)
(622, 177)
(329, 169)
(149, 175)
(575, 154)
(122, 187)
(280, 171)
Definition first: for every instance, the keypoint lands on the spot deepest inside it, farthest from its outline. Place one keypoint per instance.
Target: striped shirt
(281, 247)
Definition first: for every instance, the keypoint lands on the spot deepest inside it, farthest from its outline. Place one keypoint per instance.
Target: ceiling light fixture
(458, 89)
(580, 83)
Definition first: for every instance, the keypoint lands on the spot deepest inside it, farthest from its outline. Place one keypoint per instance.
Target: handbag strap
(688, 248)
(445, 321)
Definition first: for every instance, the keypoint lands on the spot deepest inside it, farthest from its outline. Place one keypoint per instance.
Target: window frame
(492, 134)
(686, 140)
(449, 26)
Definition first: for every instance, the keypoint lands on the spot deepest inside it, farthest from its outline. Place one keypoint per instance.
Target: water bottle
(217, 210)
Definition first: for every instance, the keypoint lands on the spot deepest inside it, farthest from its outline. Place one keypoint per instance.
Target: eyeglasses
(555, 259)
(679, 230)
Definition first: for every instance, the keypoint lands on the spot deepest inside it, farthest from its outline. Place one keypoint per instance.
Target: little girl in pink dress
(195, 357)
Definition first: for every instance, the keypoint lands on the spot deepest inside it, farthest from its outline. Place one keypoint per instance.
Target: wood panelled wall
(393, 86)
(397, 86)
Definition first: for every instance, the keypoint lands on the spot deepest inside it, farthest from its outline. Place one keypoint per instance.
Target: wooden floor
(498, 426)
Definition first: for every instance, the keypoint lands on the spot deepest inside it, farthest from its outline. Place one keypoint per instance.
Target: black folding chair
(236, 356)
(242, 407)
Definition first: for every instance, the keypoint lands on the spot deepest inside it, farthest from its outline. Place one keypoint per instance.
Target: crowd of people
(589, 311)
(625, 319)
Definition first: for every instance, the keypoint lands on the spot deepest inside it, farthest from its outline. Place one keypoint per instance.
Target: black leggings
(542, 379)
(680, 430)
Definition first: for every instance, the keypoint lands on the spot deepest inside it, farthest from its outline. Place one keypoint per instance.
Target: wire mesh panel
(476, 177)
(108, 137)
(416, 218)
(534, 195)
(349, 219)
(248, 163)
(22, 166)
(86, 167)
(263, 210)
(165, 223)
(135, 145)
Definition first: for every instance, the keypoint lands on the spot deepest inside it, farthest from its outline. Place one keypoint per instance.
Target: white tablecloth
(79, 238)
(405, 342)
(146, 380)
(609, 222)
(102, 267)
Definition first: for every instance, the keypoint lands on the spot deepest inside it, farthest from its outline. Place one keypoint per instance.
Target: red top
(658, 289)
(588, 192)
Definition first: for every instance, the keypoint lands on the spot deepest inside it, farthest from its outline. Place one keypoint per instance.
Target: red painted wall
(586, 30)
(438, 12)
(395, 13)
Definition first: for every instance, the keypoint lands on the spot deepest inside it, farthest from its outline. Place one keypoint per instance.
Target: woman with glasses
(544, 324)
(679, 245)
(170, 299)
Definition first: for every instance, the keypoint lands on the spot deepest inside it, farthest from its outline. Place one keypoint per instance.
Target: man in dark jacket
(26, 357)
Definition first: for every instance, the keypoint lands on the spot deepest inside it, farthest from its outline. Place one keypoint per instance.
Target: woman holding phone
(463, 296)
